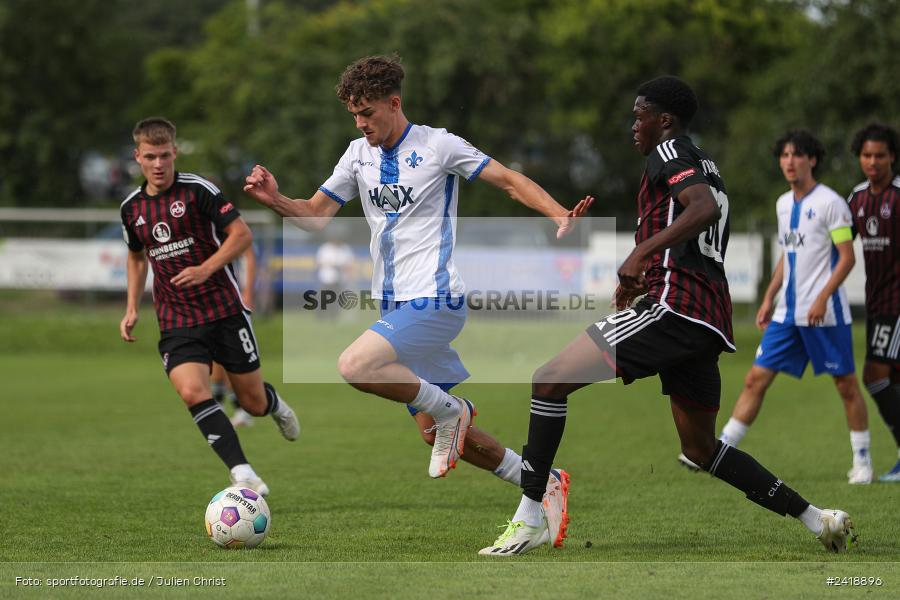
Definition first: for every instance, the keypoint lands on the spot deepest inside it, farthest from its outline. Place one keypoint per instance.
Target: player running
(191, 234)
(407, 177)
(676, 331)
(874, 205)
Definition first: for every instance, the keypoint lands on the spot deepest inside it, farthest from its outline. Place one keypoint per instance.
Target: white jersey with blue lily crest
(804, 234)
(409, 194)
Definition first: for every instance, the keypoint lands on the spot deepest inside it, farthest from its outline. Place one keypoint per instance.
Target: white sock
(733, 432)
(243, 472)
(530, 512)
(434, 401)
(859, 442)
(510, 468)
(810, 518)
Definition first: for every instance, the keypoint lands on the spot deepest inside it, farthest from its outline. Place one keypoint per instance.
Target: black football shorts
(883, 340)
(229, 342)
(649, 339)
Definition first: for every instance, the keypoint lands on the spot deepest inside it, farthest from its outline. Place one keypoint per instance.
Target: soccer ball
(238, 518)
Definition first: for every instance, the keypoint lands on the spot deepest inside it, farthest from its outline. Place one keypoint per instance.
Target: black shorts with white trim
(649, 339)
(883, 339)
(229, 342)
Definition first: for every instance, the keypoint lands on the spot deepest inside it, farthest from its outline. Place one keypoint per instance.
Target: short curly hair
(876, 132)
(671, 95)
(370, 78)
(804, 143)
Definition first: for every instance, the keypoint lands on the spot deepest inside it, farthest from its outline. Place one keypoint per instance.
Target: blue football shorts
(788, 348)
(420, 330)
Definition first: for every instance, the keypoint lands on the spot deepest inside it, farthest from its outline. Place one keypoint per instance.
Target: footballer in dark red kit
(875, 208)
(674, 320)
(182, 225)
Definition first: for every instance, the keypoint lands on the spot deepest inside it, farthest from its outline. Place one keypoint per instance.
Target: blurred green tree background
(545, 87)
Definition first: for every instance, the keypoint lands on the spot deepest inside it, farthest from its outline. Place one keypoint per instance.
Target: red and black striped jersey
(178, 228)
(876, 221)
(688, 278)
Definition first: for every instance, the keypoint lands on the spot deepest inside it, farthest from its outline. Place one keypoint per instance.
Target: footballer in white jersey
(407, 177)
(410, 195)
(805, 229)
(811, 321)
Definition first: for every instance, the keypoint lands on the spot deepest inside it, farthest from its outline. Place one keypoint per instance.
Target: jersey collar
(400, 141)
(804, 196)
(161, 192)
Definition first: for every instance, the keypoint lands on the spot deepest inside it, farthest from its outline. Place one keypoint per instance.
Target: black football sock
(272, 403)
(545, 430)
(887, 398)
(743, 472)
(218, 431)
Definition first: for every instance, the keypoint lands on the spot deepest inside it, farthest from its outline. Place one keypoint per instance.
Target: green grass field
(105, 475)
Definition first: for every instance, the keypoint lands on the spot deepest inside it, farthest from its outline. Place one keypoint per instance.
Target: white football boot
(860, 475)
(556, 506)
(518, 538)
(837, 530)
(286, 420)
(449, 439)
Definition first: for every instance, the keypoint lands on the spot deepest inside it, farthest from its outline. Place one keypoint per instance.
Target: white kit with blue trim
(409, 194)
(804, 234)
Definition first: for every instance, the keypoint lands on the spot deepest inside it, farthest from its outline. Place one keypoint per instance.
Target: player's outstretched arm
(522, 189)
(136, 269)
(311, 215)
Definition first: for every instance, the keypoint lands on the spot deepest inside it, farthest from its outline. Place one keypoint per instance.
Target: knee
(352, 366)
(755, 382)
(546, 381)
(193, 393)
(847, 387)
(872, 374)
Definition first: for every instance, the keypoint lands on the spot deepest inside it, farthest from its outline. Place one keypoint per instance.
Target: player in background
(811, 321)
(676, 330)
(407, 177)
(190, 233)
(334, 267)
(874, 206)
(221, 389)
